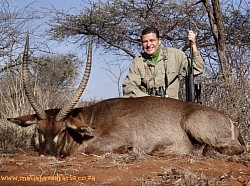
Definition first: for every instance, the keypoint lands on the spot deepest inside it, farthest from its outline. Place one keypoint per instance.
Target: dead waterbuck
(151, 125)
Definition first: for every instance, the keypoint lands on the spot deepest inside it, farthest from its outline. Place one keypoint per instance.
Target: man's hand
(192, 38)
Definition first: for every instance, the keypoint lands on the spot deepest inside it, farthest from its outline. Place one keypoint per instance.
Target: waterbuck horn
(26, 82)
(68, 107)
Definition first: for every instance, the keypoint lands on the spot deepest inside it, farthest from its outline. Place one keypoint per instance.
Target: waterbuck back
(151, 125)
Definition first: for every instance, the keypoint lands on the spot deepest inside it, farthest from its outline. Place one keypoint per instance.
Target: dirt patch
(27, 168)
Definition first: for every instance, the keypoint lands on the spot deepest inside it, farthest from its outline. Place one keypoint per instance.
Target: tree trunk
(217, 27)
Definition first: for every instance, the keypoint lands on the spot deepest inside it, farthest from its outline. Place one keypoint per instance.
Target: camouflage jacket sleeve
(132, 81)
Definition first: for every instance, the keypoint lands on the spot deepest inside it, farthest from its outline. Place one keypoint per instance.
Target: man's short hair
(149, 30)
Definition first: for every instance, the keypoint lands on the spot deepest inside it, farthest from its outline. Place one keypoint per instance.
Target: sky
(100, 85)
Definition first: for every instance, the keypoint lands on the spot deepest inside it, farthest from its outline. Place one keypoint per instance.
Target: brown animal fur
(151, 125)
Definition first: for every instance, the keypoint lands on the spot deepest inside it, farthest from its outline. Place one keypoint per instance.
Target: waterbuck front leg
(79, 126)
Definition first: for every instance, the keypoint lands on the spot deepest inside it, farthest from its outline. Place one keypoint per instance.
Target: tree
(59, 71)
(218, 30)
(51, 75)
(13, 26)
(116, 25)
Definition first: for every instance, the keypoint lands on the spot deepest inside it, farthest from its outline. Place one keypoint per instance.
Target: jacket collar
(147, 61)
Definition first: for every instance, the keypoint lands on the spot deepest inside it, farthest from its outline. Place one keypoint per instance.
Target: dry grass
(13, 137)
(14, 103)
(182, 177)
(185, 176)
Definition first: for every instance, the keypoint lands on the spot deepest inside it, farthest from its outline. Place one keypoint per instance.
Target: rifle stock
(190, 82)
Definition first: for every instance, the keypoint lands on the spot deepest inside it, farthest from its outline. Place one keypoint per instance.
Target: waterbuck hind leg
(178, 146)
(235, 145)
(210, 127)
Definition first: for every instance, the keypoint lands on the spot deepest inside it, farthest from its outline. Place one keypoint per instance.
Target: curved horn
(68, 107)
(26, 83)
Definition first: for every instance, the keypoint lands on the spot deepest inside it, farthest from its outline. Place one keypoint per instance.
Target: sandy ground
(27, 168)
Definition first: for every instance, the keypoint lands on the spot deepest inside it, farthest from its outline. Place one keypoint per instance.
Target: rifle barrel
(190, 76)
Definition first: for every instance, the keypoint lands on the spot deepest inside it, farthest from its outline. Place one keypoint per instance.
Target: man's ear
(79, 126)
(160, 40)
(24, 121)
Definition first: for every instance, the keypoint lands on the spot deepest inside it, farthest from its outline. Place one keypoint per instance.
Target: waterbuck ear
(79, 126)
(24, 121)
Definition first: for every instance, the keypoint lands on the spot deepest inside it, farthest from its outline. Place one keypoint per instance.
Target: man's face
(150, 43)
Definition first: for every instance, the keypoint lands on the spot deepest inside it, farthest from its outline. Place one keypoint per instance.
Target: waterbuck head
(51, 134)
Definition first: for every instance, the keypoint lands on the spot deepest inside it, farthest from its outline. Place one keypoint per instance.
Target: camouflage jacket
(170, 64)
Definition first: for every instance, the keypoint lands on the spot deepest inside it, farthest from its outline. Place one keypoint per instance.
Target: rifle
(193, 91)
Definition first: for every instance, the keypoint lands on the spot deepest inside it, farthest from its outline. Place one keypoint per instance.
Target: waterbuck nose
(48, 150)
